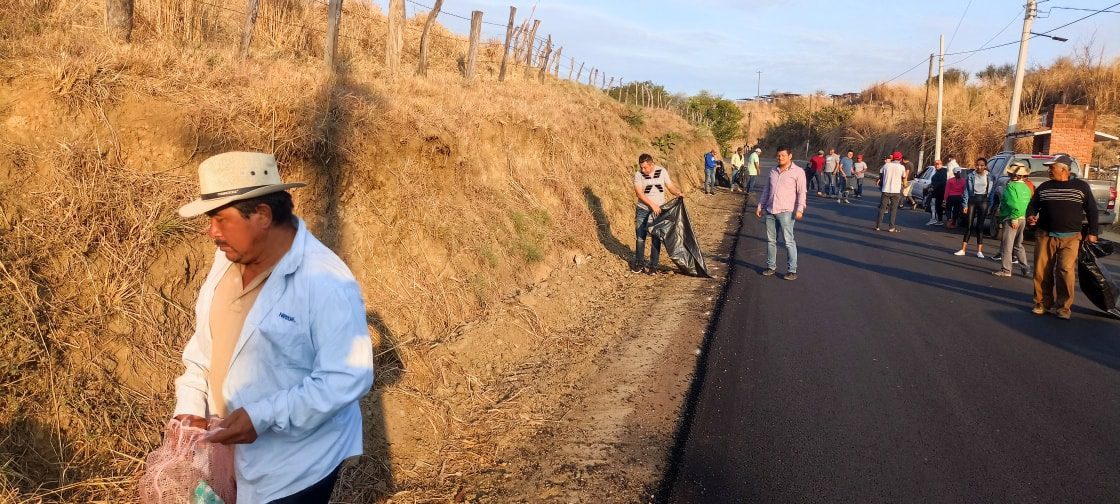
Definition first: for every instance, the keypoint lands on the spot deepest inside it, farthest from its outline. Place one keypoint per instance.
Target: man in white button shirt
(281, 351)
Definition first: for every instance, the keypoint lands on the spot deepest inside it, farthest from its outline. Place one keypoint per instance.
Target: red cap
(896, 156)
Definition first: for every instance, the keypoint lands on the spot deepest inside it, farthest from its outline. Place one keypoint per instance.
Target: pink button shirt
(785, 192)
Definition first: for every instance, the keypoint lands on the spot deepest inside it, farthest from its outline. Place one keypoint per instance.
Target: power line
(911, 69)
(959, 21)
(1083, 9)
(1008, 25)
(1078, 20)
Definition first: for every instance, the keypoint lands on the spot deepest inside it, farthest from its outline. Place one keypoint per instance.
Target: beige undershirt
(230, 306)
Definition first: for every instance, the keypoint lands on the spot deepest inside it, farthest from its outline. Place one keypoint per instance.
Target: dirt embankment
(448, 201)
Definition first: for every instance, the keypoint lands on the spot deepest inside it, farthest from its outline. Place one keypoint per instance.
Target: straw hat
(1018, 167)
(235, 176)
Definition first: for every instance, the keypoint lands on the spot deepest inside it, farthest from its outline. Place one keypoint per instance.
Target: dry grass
(890, 117)
(443, 196)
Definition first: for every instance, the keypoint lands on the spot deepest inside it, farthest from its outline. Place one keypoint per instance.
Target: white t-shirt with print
(654, 185)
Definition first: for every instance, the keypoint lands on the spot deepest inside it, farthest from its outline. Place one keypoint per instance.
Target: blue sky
(800, 46)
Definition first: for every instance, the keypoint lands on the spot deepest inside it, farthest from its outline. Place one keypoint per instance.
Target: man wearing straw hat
(280, 352)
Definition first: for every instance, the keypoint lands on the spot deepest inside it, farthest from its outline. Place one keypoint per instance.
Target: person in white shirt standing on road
(281, 350)
(782, 202)
(891, 180)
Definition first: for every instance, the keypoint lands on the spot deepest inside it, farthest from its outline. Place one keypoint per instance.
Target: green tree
(953, 76)
(722, 116)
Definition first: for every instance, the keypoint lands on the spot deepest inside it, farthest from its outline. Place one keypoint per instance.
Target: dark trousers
(888, 202)
(977, 212)
(319, 493)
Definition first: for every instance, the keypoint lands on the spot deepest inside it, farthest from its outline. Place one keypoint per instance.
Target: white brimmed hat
(235, 176)
(1018, 167)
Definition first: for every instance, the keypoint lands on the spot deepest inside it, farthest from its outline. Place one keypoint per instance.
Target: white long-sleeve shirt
(302, 361)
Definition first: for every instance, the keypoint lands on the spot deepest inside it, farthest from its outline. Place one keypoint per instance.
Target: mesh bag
(185, 469)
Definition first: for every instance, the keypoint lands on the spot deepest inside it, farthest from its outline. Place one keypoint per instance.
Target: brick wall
(1072, 129)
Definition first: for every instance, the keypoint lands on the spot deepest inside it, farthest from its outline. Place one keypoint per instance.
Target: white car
(919, 185)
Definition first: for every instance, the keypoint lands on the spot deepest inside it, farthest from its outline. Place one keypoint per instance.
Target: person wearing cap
(752, 170)
(814, 174)
(860, 169)
(1012, 213)
(892, 175)
(281, 352)
(710, 172)
(781, 204)
(1057, 208)
(954, 199)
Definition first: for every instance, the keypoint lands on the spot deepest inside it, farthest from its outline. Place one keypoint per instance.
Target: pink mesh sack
(186, 469)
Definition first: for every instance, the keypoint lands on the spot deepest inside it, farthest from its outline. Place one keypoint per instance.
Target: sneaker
(1027, 272)
(1001, 273)
(769, 272)
(980, 255)
(931, 223)
(959, 252)
(790, 276)
(939, 223)
(1039, 310)
(636, 268)
(1063, 314)
(996, 258)
(846, 200)
(894, 230)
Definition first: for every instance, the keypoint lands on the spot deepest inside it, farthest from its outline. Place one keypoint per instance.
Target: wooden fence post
(394, 40)
(591, 76)
(621, 92)
(334, 19)
(251, 9)
(509, 38)
(572, 68)
(422, 68)
(472, 50)
(580, 73)
(611, 85)
(532, 44)
(544, 62)
(556, 62)
(602, 80)
(118, 19)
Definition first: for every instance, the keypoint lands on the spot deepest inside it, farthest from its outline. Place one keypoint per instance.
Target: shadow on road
(1091, 334)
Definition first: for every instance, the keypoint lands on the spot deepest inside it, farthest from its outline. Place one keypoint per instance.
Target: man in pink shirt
(782, 202)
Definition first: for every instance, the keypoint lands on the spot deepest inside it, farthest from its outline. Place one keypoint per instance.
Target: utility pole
(1020, 69)
(758, 91)
(809, 128)
(749, 114)
(940, 98)
(925, 119)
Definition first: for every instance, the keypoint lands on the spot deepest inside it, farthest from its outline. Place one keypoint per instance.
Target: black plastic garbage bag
(674, 229)
(1103, 248)
(721, 177)
(1094, 279)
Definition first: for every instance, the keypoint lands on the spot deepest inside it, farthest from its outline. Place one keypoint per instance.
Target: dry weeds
(443, 196)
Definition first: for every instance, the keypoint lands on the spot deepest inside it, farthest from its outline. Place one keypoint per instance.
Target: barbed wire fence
(508, 46)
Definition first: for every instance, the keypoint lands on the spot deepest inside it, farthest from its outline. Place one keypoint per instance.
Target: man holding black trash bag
(651, 182)
(281, 351)
(1057, 208)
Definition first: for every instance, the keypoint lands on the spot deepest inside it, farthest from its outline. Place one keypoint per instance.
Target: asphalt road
(893, 371)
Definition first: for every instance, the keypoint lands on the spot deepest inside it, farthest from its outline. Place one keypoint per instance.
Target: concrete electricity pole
(940, 98)
(1020, 69)
(758, 91)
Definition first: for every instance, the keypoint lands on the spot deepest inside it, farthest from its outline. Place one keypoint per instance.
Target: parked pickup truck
(1104, 191)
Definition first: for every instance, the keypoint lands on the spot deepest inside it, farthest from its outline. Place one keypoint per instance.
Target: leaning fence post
(580, 72)
(556, 62)
(334, 19)
(509, 38)
(472, 51)
(251, 9)
(394, 39)
(572, 68)
(532, 43)
(544, 62)
(422, 69)
(591, 76)
(611, 85)
(118, 19)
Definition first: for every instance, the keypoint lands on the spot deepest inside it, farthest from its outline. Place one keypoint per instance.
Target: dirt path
(597, 401)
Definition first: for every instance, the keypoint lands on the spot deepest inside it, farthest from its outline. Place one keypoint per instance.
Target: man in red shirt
(813, 173)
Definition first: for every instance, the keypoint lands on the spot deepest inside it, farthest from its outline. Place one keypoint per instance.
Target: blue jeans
(859, 186)
(830, 184)
(641, 228)
(785, 220)
(709, 180)
(750, 182)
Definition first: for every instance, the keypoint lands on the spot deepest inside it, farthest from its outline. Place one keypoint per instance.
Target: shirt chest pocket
(288, 341)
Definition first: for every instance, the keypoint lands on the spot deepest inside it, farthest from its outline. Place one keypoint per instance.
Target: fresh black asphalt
(893, 371)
